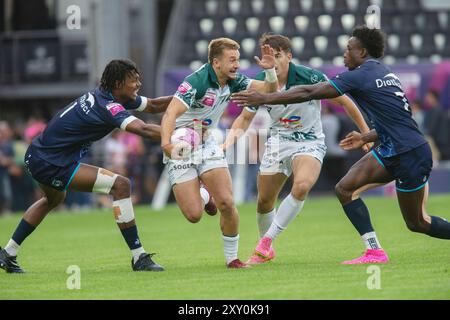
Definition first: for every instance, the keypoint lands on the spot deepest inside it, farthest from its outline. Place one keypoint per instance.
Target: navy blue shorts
(45, 173)
(410, 169)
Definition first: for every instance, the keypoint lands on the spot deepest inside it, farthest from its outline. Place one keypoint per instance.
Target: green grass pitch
(306, 267)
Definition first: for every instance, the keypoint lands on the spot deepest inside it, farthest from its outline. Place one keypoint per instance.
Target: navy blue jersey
(379, 93)
(72, 130)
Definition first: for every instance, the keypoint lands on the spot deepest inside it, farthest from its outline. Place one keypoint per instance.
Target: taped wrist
(271, 75)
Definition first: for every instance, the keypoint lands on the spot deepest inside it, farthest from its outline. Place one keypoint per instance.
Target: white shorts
(207, 157)
(279, 155)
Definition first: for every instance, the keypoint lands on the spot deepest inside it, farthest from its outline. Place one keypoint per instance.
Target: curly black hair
(115, 73)
(373, 40)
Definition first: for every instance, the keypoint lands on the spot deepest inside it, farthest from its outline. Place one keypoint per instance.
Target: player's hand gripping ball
(185, 141)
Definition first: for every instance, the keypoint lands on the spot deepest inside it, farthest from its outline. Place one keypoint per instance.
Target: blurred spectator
(334, 162)
(6, 159)
(418, 115)
(436, 123)
(135, 151)
(257, 131)
(153, 166)
(115, 156)
(33, 129)
(23, 187)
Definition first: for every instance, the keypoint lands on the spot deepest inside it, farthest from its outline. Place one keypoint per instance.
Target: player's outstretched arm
(158, 105)
(319, 91)
(145, 130)
(267, 62)
(175, 109)
(353, 112)
(239, 127)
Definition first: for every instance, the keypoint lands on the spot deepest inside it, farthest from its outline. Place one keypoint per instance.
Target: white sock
(230, 247)
(12, 247)
(371, 241)
(136, 253)
(205, 195)
(288, 210)
(264, 221)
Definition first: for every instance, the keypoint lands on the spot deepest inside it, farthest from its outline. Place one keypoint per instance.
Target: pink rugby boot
(369, 257)
(263, 252)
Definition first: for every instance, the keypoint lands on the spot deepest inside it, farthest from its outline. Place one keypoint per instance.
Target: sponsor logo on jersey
(86, 107)
(115, 108)
(389, 80)
(291, 122)
(205, 122)
(184, 87)
(209, 99)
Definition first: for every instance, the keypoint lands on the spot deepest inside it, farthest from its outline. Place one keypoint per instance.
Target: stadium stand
(319, 27)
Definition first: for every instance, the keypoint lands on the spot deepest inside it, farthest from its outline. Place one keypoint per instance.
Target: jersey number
(404, 99)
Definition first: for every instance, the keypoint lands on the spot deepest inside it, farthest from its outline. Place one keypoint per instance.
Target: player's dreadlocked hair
(276, 41)
(115, 73)
(373, 40)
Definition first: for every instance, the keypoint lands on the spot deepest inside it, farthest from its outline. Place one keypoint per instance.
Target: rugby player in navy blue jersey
(53, 158)
(402, 154)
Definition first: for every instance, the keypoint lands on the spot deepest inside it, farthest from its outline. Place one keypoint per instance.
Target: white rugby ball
(185, 140)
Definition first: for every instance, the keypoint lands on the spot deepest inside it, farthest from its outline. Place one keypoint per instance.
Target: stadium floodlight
(325, 22)
(277, 24)
(282, 7)
(301, 23)
(252, 25)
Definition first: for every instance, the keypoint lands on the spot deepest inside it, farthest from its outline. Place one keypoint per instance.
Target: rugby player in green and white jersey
(200, 101)
(295, 146)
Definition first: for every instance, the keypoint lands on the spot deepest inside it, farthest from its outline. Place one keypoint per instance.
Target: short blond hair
(217, 46)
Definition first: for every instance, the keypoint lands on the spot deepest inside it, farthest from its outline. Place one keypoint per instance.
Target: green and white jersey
(204, 99)
(298, 121)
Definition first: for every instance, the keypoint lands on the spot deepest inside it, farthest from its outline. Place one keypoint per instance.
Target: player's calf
(419, 226)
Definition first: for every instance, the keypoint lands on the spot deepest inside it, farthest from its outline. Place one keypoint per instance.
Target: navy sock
(23, 230)
(440, 228)
(131, 237)
(358, 214)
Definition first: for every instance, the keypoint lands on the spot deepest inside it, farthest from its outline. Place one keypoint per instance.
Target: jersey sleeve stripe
(185, 104)
(251, 110)
(336, 87)
(143, 105)
(249, 84)
(127, 121)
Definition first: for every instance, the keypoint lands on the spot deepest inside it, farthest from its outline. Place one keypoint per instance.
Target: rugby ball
(185, 140)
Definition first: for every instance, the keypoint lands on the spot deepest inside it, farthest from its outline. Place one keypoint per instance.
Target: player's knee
(300, 190)
(193, 215)
(55, 200)
(344, 195)
(121, 187)
(225, 205)
(265, 205)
